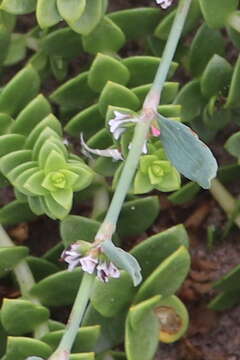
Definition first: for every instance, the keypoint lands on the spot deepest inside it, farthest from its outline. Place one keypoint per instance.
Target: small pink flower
(88, 264)
(155, 131)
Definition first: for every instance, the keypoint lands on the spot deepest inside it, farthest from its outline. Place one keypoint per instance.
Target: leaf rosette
(156, 172)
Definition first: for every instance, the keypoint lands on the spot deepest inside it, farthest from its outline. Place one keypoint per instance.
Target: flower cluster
(91, 260)
(164, 3)
(117, 126)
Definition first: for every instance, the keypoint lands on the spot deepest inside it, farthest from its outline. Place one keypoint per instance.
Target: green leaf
(154, 250)
(18, 348)
(123, 260)
(206, 43)
(49, 121)
(19, 7)
(75, 93)
(85, 176)
(117, 95)
(12, 160)
(109, 299)
(48, 141)
(17, 50)
(63, 197)
(53, 209)
(167, 277)
(31, 115)
(233, 94)
(188, 154)
(10, 143)
(101, 140)
(27, 78)
(225, 300)
(34, 183)
(55, 162)
(71, 10)
(143, 68)
(87, 121)
(52, 43)
(18, 170)
(75, 228)
(216, 12)
(5, 123)
(97, 41)
(15, 212)
(50, 290)
(104, 68)
(216, 76)
(112, 332)
(10, 257)
(5, 38)
(233, 144)
(90, 18)
(230, 281)
(191, 100)
(142, 331)
(137, 22)
(133, 220)
(40, 267)
(187, 193)
(47, 13)
(85, 340)
(20, 317)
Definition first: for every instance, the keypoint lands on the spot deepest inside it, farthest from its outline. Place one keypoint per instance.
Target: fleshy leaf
(187, 152)
(123, 260)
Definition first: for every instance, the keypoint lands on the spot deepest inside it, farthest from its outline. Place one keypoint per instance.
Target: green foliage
(20, 317)
(45, 173)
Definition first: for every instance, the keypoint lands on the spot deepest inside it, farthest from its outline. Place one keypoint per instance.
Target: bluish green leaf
(188, 154)
(123, 260)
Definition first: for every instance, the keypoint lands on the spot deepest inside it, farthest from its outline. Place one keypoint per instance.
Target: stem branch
(225, 199)
(25, 280)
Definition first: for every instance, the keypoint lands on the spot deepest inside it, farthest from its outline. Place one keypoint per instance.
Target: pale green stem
(153, 97)
(225, 199)
(141, 130)
(140, 134)
(76, 315)
(25, 280)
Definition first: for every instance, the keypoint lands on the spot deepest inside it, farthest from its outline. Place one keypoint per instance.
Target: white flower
(112, 153)
(106, 271)
(117, 124)
(88, 264)
(72, 256)
(164, 3)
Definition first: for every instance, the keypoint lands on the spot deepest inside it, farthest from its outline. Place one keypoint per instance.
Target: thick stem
(141, 130)
(224, 198)
(25, 280)
(76, 315)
